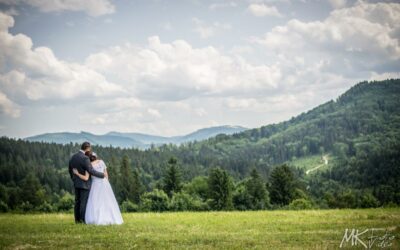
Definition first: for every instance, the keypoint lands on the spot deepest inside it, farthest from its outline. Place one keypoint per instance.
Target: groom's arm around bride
(82, 163)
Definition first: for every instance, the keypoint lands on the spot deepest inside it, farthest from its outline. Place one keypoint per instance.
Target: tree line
(366, 180)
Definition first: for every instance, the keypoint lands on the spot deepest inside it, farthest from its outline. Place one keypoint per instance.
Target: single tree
(32, 190)
(173, 178)
(137, 186)
(126, 187)
(282, 186)
(220, 189)
(258, 194)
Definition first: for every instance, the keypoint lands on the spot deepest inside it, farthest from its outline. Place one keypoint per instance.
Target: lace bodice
(99, 166)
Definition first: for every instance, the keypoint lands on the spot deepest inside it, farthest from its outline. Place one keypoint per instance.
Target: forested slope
(361, 129)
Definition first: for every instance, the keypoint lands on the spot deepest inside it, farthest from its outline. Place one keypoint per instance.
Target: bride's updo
(92, 155)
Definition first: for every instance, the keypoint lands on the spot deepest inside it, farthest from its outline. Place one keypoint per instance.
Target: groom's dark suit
(82, 188)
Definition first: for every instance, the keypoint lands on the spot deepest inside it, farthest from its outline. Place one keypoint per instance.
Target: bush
(25, 206)
(3, 207)
(199, 204)
(184, 202)
(391, 205)
(241, 198)
(198, 186)
(368, 200)
(300, 204)
(45, 207)
(347, 199)
(156, 200)
(181, 202)
(66, 203)
(129, 206)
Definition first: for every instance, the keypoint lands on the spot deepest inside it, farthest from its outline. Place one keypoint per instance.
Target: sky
(169, 67)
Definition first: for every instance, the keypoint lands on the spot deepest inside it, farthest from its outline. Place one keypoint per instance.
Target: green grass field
(310, 229)
(308, 161)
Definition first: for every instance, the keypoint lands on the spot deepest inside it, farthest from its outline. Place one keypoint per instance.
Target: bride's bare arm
(83, 177)
(105, 173)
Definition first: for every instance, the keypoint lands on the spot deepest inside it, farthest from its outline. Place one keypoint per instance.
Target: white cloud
(208, 30)
(8, 107)
(91, 7)
(154, 112)
(273, 104)
(177, 71)
(261, 9)
(383, 76)
(32, 74)
(356, 39)
(117, 104)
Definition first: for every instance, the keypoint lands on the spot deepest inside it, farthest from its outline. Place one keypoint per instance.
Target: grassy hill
(312, 229)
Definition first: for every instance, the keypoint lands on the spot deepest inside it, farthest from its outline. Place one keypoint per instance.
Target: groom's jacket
(82, 163)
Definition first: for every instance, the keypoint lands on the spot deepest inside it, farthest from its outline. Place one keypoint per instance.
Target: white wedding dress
(102, 207)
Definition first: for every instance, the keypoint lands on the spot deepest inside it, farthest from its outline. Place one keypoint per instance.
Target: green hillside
(359, 132)
(367, 115)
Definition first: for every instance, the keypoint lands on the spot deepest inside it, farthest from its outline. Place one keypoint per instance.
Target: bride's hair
(92, 156)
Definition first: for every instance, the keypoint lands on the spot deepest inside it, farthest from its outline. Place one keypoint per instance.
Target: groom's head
(85, 146)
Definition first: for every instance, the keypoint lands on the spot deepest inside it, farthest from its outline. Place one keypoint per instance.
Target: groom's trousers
(81, 197)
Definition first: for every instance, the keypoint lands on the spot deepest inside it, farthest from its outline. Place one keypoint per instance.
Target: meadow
(280, 229)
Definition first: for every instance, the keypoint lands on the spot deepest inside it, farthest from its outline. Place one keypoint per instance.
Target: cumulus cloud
(361, 38)
(32, 74)
(91, 7)
(8, 107)
(261, 9)
(177, 71)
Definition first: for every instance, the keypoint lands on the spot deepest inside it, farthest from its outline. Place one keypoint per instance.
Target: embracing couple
(95, 202)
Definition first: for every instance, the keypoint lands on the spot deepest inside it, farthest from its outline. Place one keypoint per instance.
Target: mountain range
(137, 140)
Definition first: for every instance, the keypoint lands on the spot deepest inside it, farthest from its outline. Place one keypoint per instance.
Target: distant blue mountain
(143, 138)
(137, 140)
(205, 133)
(103, 140)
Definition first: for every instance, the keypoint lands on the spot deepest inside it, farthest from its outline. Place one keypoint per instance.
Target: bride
(102, 207)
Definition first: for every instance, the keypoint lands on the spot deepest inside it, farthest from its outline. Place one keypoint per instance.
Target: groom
(82, 188)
